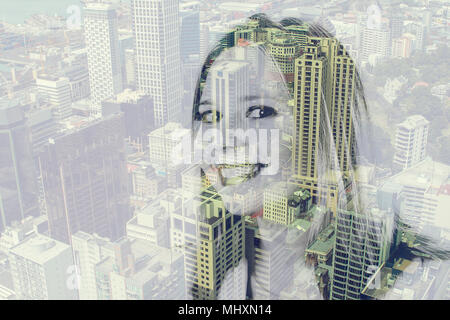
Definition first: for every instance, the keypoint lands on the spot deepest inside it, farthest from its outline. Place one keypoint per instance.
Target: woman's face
(241, 122)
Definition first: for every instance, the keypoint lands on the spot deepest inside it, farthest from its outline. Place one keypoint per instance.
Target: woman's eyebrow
(248, 98)
(204, 102)
(258, 98)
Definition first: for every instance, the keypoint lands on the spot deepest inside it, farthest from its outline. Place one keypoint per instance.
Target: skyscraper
(157, 47)
(189, 50)
(212, 240)
(85, 180)
(270, 260)
(324, 91)
(102, 42)
(411, 141)
(376, 43)
(189, 30)
(229, 82)
(18, 193)
(362, 246)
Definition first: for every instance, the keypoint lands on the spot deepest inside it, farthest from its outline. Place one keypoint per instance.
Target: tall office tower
(375, 44)
(41, 267)
(212, 241)
(270, 261)
(189, 53)
(85, 180)
(229, 82)
(140, 270)
(18, 193)
(362, 246)
(88, 251)
(57, 92)
(137, 108)
(189, 30)
(411, 141)
(158, 63)
(102, 42)
(324, 87)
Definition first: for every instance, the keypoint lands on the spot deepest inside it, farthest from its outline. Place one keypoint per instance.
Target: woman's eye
(260, 112)
(208, 116)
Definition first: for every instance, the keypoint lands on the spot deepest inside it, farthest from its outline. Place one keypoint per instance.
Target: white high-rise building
(375, 43)
(57, 92)
(102, 42)
(89, 250)
(41, 268)
(190, 30)
(158, 65)
(229, 84)
(411, 141)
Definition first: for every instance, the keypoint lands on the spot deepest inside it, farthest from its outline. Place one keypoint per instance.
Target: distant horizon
(16, 12)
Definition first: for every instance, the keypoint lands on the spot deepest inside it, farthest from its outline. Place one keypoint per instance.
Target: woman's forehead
(271, 81)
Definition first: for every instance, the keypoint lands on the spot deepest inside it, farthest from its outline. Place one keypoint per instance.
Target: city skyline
(168, 149)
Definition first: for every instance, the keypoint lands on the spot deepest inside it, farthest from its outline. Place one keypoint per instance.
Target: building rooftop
(428, 175)
(100, 6)
(413, 122)
(150, 261)
(127, 96)
(324, 242)
(173, 130)
(39, 249)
